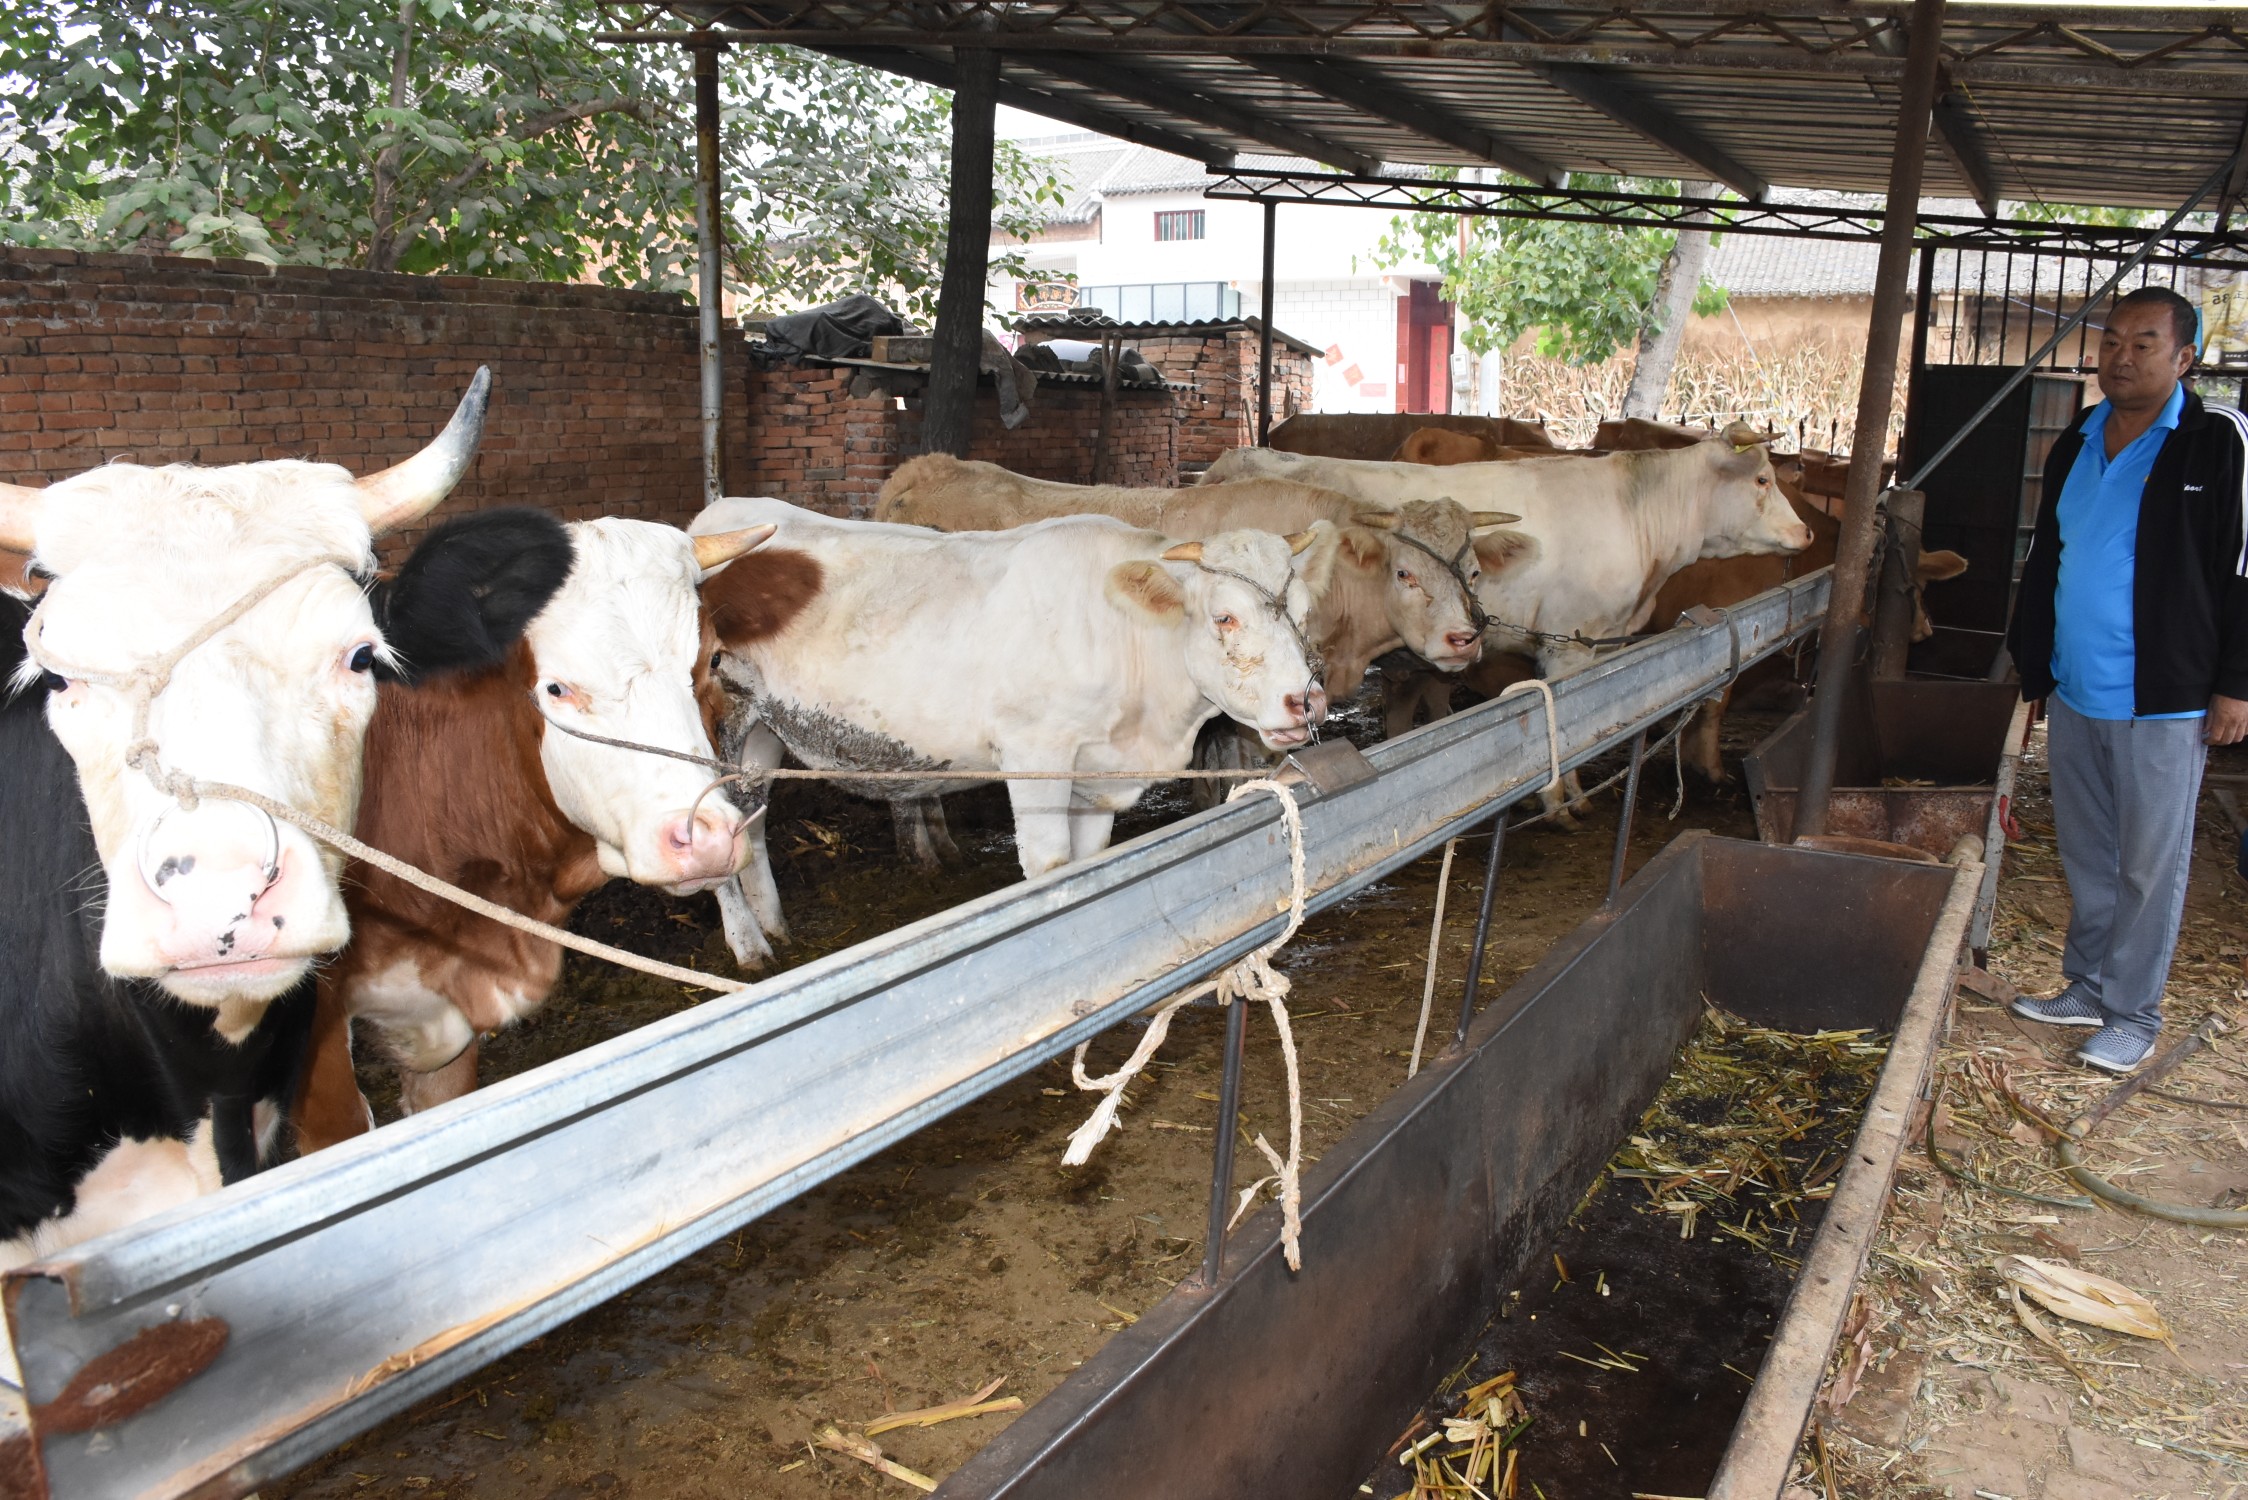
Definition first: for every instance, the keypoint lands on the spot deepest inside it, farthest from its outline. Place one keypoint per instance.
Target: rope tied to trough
(1253, 978)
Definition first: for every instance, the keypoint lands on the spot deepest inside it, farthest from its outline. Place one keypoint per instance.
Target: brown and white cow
(473, 777)
(1079, 645)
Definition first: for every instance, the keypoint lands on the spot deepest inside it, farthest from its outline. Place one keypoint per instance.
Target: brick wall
(595, 392)
(165, 360)
(827, 438)
(1221, 411)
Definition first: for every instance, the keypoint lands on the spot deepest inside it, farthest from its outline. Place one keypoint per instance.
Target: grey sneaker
(2071, 1007)
(2111, 1049)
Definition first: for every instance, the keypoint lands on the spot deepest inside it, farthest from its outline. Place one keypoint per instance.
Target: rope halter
(142, 684)
(1454, 565)
(1277, 604)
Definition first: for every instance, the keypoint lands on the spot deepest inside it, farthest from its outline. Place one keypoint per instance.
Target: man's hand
(2227, 723)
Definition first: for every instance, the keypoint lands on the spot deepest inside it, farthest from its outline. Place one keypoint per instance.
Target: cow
(1402, 580)
(1442, 447)
(1608, 531)
(1375, 435)
(202, 623)
(1080, 644)
(474, 776)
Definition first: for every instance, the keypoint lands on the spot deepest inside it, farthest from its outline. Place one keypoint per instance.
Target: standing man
(2132, 625)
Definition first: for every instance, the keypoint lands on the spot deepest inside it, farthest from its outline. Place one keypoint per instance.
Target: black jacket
(2189, 613)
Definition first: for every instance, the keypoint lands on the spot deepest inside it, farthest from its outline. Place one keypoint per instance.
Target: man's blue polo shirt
(2094, 655)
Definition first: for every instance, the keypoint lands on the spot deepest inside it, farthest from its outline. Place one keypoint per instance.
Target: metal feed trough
(1415, 1225)
(1920, 764)
(224, 1344)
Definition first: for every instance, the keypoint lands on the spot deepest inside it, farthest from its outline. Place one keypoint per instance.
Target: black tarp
(840, 330)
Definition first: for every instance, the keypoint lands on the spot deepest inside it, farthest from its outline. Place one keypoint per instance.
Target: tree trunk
(1665, 325)
(949, 406)
(383, 247)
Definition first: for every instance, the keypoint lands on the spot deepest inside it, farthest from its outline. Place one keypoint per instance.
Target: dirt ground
(1953, 1395)
(967, 1253)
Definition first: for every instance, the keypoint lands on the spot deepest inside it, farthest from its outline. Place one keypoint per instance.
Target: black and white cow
(156, 986)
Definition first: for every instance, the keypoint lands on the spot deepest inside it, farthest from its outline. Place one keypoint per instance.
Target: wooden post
(1264, 334)
(710, 236)
(1112, 355)
(1845, 620)
(949, 410)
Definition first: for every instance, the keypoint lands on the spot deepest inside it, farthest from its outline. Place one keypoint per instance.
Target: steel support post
(1264, 334)
(1221, 1151)
(1869, 441)
(949, 406)
(1895, 609)
(1624, 817)
(1483, 922)
(710, 283)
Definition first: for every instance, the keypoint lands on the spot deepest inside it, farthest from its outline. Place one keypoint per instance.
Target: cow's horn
(1481, 518)
(1376, 520)
(1184, 552)
(19, 513)
(1298, 540)
(408, 491)
(715, 551)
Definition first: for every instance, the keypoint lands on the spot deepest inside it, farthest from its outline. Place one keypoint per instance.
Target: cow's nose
(1462, 641)
(1307, 707)
(218, 870)
(703, 847)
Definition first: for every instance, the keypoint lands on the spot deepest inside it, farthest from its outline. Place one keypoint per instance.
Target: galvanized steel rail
(358, 1281)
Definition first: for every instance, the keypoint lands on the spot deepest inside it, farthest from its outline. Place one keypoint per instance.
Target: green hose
(2176, 1213)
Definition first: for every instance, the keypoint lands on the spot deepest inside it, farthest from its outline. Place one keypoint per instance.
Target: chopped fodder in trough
(1633, 1343)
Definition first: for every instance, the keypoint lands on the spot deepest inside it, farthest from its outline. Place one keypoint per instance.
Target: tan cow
(1444, 446)
(1376, 435)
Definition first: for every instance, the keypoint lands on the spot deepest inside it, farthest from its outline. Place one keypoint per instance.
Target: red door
(1424, 349)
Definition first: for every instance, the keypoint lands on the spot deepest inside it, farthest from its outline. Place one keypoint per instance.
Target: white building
(1145, 245)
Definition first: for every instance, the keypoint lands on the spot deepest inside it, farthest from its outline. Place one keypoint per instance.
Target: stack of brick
(1219, 361)
(157, 359)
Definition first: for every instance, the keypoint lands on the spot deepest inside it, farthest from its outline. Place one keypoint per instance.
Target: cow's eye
(1224, 622)
(1403, 576)
(55, 682)
(557, 690)
(1763, 482)
(362, 658)
(714, 658)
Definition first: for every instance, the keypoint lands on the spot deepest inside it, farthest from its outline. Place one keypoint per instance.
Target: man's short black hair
(2185, 323)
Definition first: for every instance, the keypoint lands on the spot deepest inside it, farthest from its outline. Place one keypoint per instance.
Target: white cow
(1078, 644)
(1609, 529)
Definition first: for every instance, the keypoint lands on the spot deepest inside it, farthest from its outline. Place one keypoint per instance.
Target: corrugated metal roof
(2130, 105)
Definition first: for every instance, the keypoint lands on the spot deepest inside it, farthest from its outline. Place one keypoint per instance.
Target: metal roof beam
(1359, 90)
(1626, 105)
(1145, 88)
(1963, 142)
(939, 71)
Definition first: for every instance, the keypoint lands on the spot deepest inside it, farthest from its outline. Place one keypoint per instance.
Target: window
(1181, 224)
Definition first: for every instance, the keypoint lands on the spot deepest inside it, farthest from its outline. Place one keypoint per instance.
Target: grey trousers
(2124, 792)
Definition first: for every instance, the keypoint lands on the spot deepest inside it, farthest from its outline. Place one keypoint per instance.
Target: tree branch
(551, 121)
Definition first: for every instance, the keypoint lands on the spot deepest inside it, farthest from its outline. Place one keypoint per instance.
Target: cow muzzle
(1300, 712)
(699, 847)
(220, 905)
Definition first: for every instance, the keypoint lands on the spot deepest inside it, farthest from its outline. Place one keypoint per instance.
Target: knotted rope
(1543, 689)
(1253, 978)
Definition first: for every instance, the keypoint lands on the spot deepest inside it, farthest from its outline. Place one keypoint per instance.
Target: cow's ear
(1361, 548)
(1740, 462)
(1937, 566)
(1147, 586)
(1315, 561)
(1501, 549)
(464, 596)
